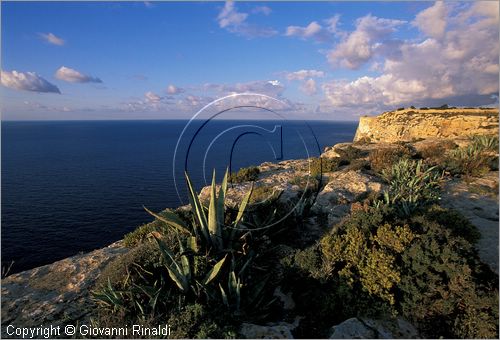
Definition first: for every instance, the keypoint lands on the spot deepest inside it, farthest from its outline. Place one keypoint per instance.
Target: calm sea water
(69, 187)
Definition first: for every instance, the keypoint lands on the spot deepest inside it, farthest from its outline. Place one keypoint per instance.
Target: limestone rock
(343, 188)
(279, 330)
(364, 328)
(57, 293)
(413, 124)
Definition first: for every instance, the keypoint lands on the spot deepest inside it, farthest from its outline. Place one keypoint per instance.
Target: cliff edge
(413, 124)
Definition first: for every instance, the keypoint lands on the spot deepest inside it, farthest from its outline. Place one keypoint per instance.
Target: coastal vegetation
(209, 268)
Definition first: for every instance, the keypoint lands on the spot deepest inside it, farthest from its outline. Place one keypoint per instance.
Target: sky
(321, 60)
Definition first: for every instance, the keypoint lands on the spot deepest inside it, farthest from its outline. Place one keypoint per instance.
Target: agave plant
(208, 237)
(411, 184)
(484, 142)
(209, 231)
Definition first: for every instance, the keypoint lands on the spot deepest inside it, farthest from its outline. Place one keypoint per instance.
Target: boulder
(344, 188)
(365, 328)
(278, 330)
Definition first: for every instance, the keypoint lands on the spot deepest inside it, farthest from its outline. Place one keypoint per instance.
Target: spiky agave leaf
(198, 209)
(213, 221)
(212, 274)
(221, 200)
(171, 219)
(243, 206)
(174, 270)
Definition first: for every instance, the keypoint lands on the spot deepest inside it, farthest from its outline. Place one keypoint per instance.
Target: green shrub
(349, 154)
(455, 222)
(435, 153)
(321, 165)
(443, 290)
(264, 193)
(195, 321)
(420, 266)
(140, 234)
(381, 159)
(248, 174)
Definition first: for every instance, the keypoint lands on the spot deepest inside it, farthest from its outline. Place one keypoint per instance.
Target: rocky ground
(59, 293)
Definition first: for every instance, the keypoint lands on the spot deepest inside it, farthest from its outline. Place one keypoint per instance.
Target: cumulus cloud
(27, 81)
(234, 21)
(74, 76)
(459, 64)
(172, 89)
(316, 31)
(359, 46)
(52, 39)
(303, 74)
(432, 21)
(309, 87)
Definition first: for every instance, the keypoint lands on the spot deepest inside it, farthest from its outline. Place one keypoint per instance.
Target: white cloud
(152, 97)
(316, 31)
(272, 88)
(74, 76)
(309, 87)
(303, 74)
(262, 9)
(52, 39)
(359, 46)
(432, 21)
(172, 89)
(27, 81)
(236, 22)
(458, 66)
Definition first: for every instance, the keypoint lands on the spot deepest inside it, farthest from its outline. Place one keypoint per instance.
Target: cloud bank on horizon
(333, 62)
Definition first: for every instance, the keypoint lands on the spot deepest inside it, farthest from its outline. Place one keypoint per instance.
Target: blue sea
(74, 186)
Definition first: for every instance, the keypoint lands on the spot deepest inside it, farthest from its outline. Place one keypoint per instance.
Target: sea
(75, 186)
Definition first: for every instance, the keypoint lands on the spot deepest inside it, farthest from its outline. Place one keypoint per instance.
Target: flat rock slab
(478, 202)
(54, 294)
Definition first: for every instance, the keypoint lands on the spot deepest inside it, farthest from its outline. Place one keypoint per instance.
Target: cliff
(60, 293)
(414, 124)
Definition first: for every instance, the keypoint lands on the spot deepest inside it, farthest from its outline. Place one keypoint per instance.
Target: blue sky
(325, 60)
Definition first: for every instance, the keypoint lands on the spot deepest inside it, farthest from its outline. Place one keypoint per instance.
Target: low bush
(319, 166)
(419, 267)
(435, 153)
(349, 154)
(383, 158)
(195, 321)
(245, 175)
(264, 193)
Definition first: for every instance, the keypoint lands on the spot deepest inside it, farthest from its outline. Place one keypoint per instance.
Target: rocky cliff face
(414, 124)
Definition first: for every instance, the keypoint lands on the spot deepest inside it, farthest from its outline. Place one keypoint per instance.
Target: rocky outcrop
(54, 294)
(278, 330)
(413, 124)
(364, 328)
